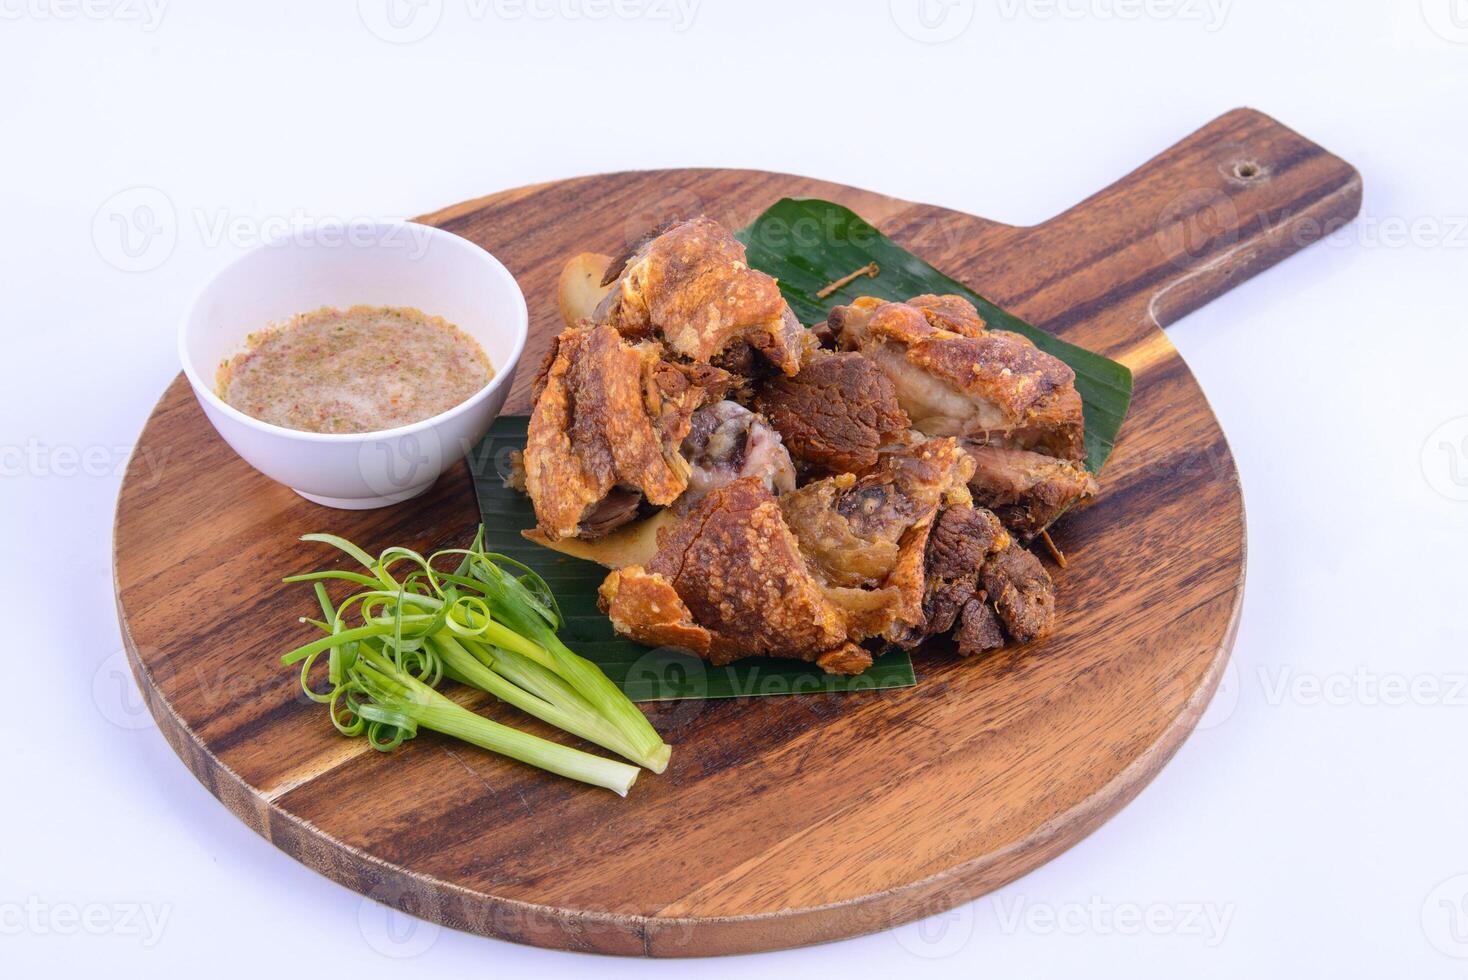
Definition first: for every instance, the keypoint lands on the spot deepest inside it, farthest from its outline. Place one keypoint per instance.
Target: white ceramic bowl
(377, 264)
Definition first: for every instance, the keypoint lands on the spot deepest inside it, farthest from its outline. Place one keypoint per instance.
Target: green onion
(401, 702)
(481, 625)
(535, 615)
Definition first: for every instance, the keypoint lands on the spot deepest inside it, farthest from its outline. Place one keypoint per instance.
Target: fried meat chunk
(810, 575)
(1028, 490)
(690, 286)
(728, 442)
(865, 537)
(982, 585)
(991, 387)
(893, 556)
(604, 435)
(962, 541)
(729, 582)
(1022, 593)
(836, 413)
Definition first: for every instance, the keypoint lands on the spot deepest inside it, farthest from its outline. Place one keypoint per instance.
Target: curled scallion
(489, 623)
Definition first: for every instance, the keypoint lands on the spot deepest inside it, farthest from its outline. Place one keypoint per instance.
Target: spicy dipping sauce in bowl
(365, 369)
(355, 369)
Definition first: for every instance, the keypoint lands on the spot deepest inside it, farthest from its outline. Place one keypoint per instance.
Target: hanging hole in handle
(1246, 170)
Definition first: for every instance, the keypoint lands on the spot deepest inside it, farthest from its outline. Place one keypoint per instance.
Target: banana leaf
(807, 243)
(644, 674)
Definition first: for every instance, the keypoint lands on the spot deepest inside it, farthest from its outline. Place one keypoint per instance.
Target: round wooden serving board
(782, 820)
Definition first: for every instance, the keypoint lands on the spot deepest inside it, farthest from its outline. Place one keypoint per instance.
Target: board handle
(1224, 204)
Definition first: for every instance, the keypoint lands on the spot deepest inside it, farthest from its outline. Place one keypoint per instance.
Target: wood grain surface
(782, 820)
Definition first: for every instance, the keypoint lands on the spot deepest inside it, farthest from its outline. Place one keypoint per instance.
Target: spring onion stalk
(465, 668)
(537, 617)
(401, 703)
(480, 625)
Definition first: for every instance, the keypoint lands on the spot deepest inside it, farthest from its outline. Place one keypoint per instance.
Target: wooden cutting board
(782, 820)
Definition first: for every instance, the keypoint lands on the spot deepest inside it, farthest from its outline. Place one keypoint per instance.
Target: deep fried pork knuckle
(609, 418)
(982, 585)
(928, 448)
(729, 582)
(988, 386)
(1022, 593)
(963, 540)
(728, 442)
(691, 287)
(865, 537)
(836, 413)
(1028, 490)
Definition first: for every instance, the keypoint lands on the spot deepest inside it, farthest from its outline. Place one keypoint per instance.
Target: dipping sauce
(359, 370)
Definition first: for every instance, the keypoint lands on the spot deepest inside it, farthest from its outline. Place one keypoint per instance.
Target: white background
(1314, 826)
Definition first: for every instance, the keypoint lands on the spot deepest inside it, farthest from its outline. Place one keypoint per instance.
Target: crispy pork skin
(952, 313)
(988, 386)
(728, 582)
(690, 286)
(609, 417)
